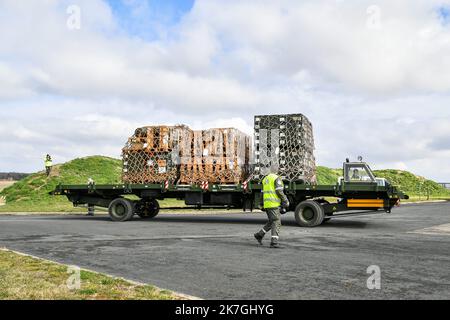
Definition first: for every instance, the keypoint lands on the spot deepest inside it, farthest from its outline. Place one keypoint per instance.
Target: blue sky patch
(149, 19)
(444, 15)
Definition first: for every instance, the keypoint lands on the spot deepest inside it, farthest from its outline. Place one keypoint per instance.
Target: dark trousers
(274, 223)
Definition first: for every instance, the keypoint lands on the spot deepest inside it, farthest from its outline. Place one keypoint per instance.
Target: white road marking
(443, 229)
(88, 238)
(27, 220)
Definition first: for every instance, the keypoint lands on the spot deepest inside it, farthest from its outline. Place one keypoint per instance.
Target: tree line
(12, 176)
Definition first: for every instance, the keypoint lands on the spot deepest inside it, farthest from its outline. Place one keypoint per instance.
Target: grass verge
(60, 204)
(26, 278)
(421, 198)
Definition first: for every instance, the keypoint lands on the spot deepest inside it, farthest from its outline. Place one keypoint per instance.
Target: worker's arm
(279, 188)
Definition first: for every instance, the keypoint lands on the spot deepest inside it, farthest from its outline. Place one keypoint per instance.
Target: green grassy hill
(31, 193)
(328, 176)
(412, 184)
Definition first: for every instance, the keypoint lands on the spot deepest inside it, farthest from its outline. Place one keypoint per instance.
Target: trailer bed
(369, 197)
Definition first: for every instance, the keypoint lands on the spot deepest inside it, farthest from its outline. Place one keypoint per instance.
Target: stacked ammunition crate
(218, 156)
(152, 154)
(179, 155)
(287, 141)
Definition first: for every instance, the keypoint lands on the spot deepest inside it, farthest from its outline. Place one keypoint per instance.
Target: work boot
(274, 243)
(259, 238)
(91, 211)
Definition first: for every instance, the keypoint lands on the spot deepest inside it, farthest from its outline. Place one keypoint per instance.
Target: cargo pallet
(307, 201)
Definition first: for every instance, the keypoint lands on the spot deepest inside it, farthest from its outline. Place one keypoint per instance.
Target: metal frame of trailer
(307, 201)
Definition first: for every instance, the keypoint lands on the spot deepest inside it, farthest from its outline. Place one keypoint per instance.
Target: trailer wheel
(147, 209)
(322, 202)
(121, 210)
(309, 213)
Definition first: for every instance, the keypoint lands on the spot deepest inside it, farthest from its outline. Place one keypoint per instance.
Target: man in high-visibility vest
(48, 164)
(274, 198)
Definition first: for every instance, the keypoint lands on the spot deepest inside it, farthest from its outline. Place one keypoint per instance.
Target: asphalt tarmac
(214, 256)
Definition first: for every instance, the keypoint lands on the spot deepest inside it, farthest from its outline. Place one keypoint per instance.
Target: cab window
(357, 174)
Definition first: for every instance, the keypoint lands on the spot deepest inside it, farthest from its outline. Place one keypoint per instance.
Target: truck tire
(309, 214)
(322, 202)
(147, 209)
(121, 210)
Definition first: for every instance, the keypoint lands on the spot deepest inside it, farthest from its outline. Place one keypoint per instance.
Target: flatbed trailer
(309, 202)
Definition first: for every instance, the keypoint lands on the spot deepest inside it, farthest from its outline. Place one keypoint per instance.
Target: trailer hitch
(127, 189)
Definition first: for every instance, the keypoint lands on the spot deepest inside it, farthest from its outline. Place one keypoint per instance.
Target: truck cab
(360, 173)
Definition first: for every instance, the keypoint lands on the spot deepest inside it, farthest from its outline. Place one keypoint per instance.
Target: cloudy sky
(76, 77)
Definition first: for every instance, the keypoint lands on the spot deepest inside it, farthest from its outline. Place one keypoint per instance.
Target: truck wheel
(121, 210)
(309, 213)
(147, 209)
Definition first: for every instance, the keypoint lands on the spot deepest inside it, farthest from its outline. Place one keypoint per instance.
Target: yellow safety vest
(48, 163)
(271, 199)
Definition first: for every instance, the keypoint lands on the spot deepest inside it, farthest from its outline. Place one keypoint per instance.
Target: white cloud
(234, 122)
